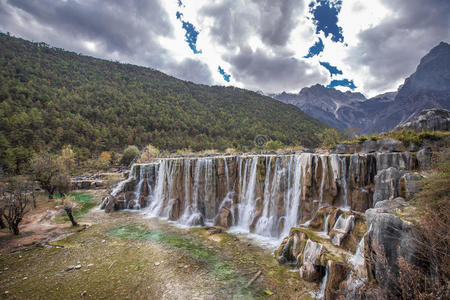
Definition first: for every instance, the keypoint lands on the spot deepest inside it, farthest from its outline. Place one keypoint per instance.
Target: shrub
(129, 154)
(274, 145)
(149, 153)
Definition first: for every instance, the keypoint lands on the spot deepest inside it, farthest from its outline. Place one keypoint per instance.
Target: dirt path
(124, 256)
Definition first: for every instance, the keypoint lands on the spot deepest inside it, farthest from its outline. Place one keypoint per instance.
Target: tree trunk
(70, 215)
(14, 228)
(2, 223)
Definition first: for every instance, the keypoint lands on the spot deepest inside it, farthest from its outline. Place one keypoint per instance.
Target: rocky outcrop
(390, 236)
(387, 184)
(225, 218)
(427, 88)
(428, 119)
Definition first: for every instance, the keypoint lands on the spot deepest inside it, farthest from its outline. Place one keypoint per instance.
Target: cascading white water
(324, 232)
(298, 165)
(358, 258)
(323, 284)
(344, 182)
(192, 214)
(156, 199)
(264, 226)
(227, 175)
(137, 190)
(324, 176)
(246, 206)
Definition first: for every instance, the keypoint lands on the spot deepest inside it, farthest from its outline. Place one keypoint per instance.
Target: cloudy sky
(267, 45)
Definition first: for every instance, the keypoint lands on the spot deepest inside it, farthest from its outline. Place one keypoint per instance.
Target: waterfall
(227, 176)
(192, 215)
(344, 182)
(323, 284)
(157, 198)
(266, 221)
(266, 194)
(358, 258)
(246, 207)
(324, 176)
(137, 191)
(294, 191)
(324, 232)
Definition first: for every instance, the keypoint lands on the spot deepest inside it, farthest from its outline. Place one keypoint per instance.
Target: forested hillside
(50, 97)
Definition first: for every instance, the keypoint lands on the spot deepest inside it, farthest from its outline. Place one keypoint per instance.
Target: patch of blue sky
(343, 82)
(325, 18)
(190, 35)
(226, 76)
(315, 49)
(332, 69)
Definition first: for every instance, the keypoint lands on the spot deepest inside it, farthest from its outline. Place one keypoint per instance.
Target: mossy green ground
(125, 256)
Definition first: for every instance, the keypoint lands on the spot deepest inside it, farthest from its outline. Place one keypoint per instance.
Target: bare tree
(2, 223)
(15, 199)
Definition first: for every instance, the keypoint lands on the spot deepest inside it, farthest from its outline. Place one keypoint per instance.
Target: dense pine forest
(50, 98)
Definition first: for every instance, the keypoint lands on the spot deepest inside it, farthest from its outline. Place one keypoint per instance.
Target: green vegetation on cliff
(50, 97)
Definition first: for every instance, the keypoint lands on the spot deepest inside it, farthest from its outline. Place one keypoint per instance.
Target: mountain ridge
(428, 87)
(50, 97)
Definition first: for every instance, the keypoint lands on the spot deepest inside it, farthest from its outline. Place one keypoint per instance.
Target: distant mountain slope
(50, 97)
(428, 87)
(331, 106)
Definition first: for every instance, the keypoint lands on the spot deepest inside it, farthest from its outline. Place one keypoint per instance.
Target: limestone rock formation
(390, 235)
(428, 119)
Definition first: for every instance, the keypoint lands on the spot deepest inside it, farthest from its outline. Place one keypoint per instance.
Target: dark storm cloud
(257, 69)
(392, 49)
(127, 30)
(235, 21)
(191, 70)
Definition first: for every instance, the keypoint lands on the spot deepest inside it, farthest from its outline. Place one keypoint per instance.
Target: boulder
(311, 260)
(424, 158)
(369, 146)
(175, 209)
(389, 145)
(224, 219)
(343, 225)
(291, 247)
(386, 184)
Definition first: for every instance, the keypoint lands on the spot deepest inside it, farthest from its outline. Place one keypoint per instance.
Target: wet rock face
(386, 184)
(424, 158)
(337, 273)
(343, 225)
(390, 235)
(312, 259)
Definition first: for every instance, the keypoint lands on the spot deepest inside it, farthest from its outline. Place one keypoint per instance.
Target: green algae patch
(309, 233)
(83, 204)
(204, 256)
